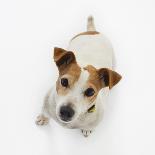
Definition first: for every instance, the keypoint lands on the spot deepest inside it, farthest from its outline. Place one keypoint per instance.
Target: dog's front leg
(86, 132)
(43, 118)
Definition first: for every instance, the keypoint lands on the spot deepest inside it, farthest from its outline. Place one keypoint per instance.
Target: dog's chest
(93, 50)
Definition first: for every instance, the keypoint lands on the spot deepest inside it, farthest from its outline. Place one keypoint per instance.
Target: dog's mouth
(66, 114)
(64, 120)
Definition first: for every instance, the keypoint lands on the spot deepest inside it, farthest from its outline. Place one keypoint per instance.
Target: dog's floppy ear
(109, 77)
(63, 58)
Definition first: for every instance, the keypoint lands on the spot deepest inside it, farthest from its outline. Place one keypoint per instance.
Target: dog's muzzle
(66, 113)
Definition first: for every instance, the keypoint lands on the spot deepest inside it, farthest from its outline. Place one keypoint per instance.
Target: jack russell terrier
(85, 78)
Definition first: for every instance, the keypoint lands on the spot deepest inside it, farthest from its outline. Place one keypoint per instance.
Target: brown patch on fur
(63, 59)
(94, 81)
(100, 78)
(86, 33)
(110, 78)
(68, 68)
(72, 74)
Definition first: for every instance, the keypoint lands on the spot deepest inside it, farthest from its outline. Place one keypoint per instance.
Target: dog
(85, 77)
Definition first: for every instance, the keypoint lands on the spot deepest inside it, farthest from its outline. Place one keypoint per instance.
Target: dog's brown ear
(109, 77)
(63, 58)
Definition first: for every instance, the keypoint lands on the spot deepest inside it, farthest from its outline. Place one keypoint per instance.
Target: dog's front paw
(86, 133)
(42, 120)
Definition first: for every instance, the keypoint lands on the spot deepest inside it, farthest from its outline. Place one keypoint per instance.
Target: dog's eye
(89, 92)
(64, 82)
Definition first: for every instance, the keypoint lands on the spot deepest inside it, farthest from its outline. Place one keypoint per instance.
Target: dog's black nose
(66, 113)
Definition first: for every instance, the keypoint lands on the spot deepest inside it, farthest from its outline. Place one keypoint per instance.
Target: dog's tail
(90, 24)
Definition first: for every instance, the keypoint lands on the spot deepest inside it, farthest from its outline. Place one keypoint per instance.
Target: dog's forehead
(88, 75)
(84, 76)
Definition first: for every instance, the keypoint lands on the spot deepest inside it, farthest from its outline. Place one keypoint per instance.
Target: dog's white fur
(92, 49)
(89, 49)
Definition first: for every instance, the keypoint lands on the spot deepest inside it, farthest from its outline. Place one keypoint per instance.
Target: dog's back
(92, 47)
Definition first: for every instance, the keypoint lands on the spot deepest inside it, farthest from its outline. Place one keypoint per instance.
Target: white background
(28, 32)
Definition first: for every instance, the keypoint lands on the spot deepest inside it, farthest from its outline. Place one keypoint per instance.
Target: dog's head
(77, 88)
